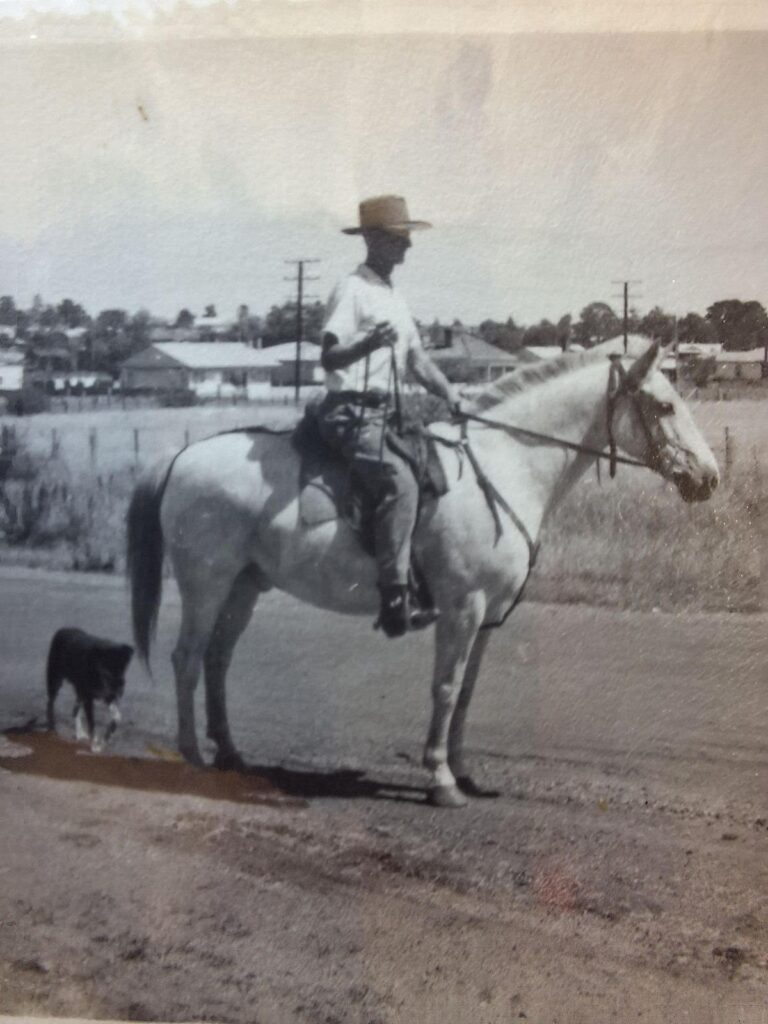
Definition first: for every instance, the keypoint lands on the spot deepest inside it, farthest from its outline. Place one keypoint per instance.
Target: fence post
(136, 445)
(730, 454)
(186, 437)
(93, 444)
(54, 443)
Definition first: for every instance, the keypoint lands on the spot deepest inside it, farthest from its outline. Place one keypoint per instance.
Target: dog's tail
(145, 552)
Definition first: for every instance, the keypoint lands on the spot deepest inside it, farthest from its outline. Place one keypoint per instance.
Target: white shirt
(356, 305)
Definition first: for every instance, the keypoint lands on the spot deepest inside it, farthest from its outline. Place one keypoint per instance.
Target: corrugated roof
(214, 355)
(476, 350)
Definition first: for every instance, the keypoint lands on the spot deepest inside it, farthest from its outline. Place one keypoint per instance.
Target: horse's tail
(144, 557)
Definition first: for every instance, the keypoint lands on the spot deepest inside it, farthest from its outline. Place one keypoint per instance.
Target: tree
(210, 311)
(109, 321)
(543, 333)
(280, 323)
(740, 326)
(564, 330)
(506, 335)
(658, 324)
(694, 329)
(184, 319)
(597, 322)
(71, 314)
(8, 311)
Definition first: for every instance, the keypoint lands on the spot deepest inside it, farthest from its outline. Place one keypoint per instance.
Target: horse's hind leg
(201, 601)
(233, 618)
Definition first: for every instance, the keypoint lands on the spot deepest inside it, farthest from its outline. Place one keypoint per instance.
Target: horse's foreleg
(454, 640)
(233, 618)
(456, 761)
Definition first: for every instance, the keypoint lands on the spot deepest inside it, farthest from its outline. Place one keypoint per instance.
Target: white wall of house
(11, 378)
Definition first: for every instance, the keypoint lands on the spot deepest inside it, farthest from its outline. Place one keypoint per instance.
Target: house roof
(214, 323)
(200, 355)
(286, 352)
(476, 350)
(699, 348)
(753, 355)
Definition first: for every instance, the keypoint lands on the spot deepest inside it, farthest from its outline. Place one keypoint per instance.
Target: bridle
(620, 384)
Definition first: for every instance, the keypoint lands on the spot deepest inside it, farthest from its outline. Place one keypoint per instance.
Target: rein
(510, 428)
(618, 385)
(615, 390)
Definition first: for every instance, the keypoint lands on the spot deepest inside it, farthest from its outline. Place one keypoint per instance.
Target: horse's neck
(570, 407)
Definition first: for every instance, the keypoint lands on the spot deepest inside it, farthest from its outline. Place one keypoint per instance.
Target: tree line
(107, 339)
(738, 326)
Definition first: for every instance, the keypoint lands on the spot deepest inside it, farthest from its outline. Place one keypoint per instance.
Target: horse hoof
(229, 761)
(446, 796)
(192, 757)
(468, 786)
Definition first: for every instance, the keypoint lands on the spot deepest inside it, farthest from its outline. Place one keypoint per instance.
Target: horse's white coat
(231, 526)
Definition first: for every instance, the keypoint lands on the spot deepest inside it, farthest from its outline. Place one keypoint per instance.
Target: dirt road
(620, 875)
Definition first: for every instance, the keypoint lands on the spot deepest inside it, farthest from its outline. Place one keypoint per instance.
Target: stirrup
(393, 617)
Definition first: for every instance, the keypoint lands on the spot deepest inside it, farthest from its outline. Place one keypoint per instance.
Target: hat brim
(408, 225)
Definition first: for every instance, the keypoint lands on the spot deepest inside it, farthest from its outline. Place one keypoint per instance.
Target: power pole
(625, 297)
(300, 278)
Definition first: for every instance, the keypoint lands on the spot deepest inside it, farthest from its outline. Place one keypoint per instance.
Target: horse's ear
(643, 365)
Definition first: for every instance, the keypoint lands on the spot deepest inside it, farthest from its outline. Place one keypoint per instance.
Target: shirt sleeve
(341, 315)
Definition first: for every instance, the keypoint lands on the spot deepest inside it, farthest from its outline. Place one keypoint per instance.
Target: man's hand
(382, 335)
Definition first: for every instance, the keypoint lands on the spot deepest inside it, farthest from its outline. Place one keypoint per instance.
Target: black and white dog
(96, 668)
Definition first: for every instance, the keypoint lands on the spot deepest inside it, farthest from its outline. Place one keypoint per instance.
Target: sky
(167, 172)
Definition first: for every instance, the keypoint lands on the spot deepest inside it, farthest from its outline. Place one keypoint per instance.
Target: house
(466, 358)
(537, 353)
(283, 358)
(84, 382)
(12, 381)
(12, 376)
(749, 365)
(210, 369)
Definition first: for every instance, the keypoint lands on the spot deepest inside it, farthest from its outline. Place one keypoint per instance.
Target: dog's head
(113, 663)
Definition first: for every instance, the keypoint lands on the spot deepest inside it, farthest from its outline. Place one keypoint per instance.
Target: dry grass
(636, 544)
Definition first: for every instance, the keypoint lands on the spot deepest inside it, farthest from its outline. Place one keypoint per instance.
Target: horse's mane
(524, 379)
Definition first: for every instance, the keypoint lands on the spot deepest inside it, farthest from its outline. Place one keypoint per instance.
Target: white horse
(226, 509)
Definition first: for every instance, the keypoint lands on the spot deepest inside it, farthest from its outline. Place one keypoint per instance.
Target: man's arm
(430, 376)
(338, 357)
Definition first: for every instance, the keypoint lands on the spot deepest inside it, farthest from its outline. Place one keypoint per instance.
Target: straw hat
(387, 213)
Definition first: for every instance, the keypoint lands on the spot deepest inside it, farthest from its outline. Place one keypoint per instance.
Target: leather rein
(618, 385)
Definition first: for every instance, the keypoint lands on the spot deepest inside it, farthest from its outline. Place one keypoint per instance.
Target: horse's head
(651, 422)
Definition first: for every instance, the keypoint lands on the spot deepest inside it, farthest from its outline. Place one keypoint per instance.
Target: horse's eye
(666, 408)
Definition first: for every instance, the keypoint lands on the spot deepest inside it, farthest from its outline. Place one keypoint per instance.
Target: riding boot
(393, 617)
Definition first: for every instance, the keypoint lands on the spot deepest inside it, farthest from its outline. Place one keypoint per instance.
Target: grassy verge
(638, 545)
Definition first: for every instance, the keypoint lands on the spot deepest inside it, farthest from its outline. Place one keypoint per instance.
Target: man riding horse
(369, 342)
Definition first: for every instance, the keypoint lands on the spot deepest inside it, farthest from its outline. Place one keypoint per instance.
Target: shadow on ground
(28, 751)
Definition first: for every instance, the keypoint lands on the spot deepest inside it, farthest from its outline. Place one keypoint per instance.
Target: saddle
(328, 491)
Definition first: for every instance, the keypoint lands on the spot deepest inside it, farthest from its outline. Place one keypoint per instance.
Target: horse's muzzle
(693, 488)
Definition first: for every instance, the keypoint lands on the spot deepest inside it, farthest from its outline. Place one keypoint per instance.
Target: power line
(300, 278)
(625, 297)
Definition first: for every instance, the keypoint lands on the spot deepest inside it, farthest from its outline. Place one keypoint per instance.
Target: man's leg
(389, 478)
